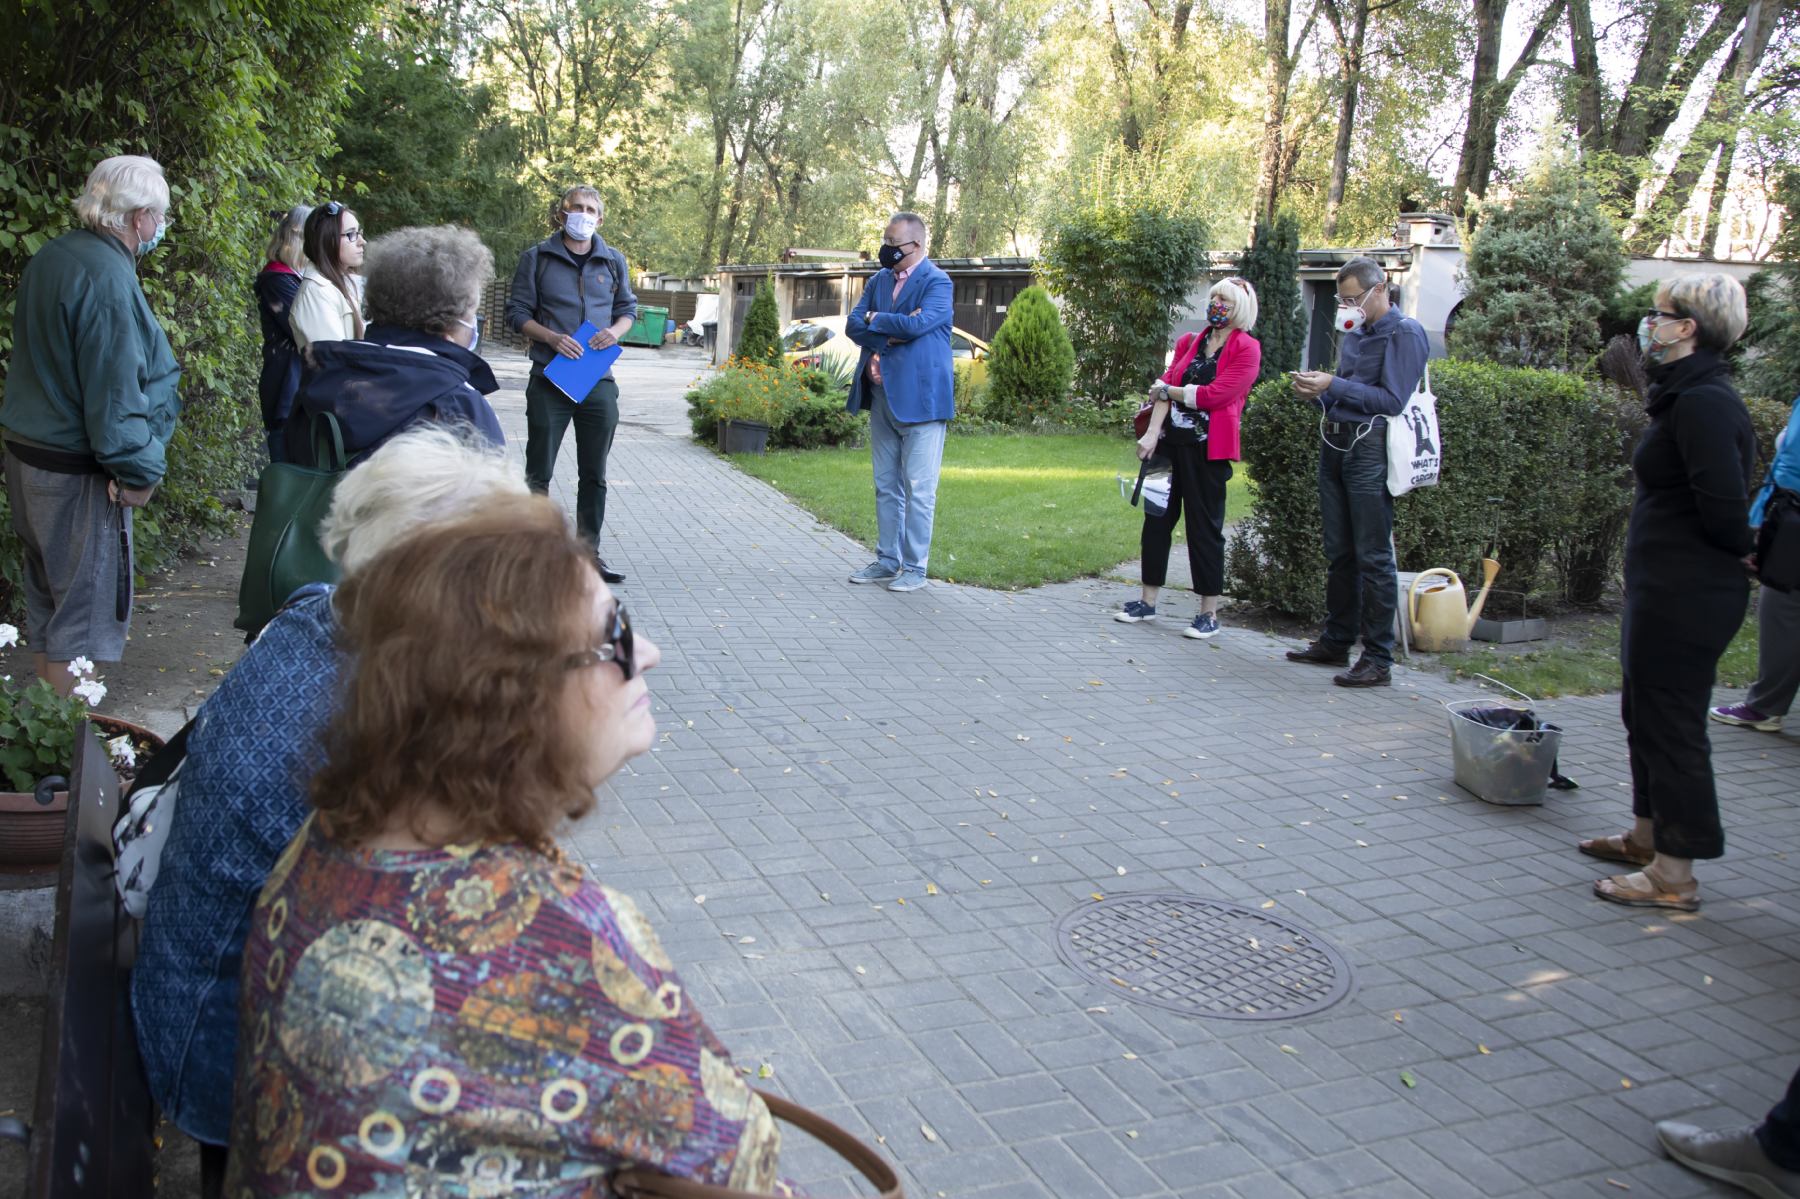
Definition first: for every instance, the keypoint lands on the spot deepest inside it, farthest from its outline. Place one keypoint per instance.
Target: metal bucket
(1501, 766)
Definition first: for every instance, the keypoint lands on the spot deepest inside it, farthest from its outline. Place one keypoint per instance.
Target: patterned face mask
(1218, 313)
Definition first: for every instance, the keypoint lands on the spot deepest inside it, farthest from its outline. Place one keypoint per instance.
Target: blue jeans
(1358, 514)
(906, 458)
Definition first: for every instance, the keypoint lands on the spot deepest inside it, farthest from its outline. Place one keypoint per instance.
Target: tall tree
(1279, 144)
(1490, 92)
(1349, 20)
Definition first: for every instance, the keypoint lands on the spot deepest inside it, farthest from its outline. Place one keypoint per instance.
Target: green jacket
(91, 371)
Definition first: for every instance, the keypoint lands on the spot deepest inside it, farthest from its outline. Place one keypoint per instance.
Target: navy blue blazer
(914, 349)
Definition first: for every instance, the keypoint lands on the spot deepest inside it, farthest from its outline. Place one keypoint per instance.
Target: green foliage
(1032, 361)
(1774, 333)
(1123, 268)
(802, 407)
(761, 339)
(1272, 266)
(1535, 467)
(38, 726)
(1541, 272)
(1625, 309)
(422, 145)
(238, 100)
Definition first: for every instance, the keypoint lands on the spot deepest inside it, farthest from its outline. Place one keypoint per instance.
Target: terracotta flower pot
(31, 833)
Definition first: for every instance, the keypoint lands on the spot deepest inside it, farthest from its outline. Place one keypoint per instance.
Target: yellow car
(817, 339)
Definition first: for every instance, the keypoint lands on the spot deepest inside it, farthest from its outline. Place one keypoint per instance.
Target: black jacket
(388, 381)
(1690, 525)
(280, 379)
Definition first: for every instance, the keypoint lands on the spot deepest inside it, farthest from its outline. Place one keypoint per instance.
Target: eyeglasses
(619, 647)
(897, 244)
(1657, 314)
(353, 235)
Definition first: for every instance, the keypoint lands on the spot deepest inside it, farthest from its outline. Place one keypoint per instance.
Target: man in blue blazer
(905, 383)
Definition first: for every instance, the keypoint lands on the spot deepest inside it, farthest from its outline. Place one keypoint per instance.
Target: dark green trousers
(548, 413)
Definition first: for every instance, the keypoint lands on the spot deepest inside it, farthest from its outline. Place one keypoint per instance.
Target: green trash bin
(648, 329)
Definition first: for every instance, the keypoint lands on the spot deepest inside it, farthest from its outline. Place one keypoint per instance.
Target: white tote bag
(1414, 448)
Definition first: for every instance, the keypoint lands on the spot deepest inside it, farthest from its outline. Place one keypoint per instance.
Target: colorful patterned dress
(472, 1021)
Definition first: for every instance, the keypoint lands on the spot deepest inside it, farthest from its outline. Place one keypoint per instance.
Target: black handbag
(284, 552)
(1778, 541)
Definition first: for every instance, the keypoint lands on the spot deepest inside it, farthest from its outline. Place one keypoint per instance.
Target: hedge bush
(238, 100)
(761, 338)
(803, 406)
(1271, 265)
(1032, 362)
(1536, 467)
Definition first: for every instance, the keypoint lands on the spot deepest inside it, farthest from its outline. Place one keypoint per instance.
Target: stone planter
(31, 832)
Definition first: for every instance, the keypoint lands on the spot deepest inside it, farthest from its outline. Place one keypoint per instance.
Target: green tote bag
(284, 553)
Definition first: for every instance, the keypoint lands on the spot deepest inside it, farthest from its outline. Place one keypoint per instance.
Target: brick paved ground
(830, 751)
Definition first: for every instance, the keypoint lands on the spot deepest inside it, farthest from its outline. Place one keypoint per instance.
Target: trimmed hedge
(1537, 461)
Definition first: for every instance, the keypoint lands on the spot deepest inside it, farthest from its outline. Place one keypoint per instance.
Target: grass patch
(1588, 664)
(1013, 509)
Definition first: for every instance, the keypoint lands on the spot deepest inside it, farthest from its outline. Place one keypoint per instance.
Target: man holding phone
(567, 279)
(1379, 366)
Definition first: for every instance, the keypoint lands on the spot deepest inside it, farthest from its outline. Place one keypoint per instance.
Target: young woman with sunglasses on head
(432, 991)
(329, 304)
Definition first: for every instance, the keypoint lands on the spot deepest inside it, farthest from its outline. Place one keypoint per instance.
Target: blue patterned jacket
(254, 747)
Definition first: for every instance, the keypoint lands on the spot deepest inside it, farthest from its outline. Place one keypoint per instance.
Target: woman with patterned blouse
(434, 1001)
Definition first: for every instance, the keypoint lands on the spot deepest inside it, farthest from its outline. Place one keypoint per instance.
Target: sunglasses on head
(332, 207)
(618, 647)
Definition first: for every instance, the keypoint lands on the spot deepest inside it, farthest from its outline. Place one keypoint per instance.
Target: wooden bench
(93, 1121)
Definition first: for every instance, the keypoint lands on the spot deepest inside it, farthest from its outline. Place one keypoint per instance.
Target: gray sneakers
(874, 572)
(1730, 1155)
(908, 580)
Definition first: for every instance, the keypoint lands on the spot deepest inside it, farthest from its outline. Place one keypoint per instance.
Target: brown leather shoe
(1366, 673)
(1320, 654)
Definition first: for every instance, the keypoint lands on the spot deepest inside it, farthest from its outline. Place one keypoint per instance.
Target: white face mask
(579, 226)
(1350, 318)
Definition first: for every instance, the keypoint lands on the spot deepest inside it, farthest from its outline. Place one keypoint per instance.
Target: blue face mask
(474, 341)
(144, 247)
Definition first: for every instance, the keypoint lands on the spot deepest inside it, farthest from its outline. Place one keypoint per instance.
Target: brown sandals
(1617, 848)
(1646, 890)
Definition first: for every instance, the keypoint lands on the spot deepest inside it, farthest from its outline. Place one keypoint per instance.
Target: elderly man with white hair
(252, 751)
(90, 406)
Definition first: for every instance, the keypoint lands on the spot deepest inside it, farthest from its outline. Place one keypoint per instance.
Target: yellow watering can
(1440, 623)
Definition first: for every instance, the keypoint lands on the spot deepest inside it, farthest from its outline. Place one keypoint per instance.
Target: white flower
(123, 752)
(9, 635)
(92, 690)
(80, 667)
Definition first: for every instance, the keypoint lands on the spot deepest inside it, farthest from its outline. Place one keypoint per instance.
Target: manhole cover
(1203, 957)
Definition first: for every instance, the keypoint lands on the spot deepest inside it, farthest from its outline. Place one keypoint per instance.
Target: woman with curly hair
(434, 998)
(417, 360)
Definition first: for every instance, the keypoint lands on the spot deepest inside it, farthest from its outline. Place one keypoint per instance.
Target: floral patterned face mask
(1218, 313)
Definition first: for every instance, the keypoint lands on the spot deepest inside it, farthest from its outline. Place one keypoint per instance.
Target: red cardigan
(1224, 397)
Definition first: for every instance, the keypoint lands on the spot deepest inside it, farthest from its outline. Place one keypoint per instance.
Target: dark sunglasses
(619, 647)
(332, 207)
(1658, 314)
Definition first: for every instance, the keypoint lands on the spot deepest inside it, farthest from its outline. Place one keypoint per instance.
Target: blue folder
(575, 377)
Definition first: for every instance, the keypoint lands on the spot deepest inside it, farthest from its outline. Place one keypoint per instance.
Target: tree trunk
(1590, 96)
(1350, 57)
(1279, 70)
(1489, 94)
(1721, 123)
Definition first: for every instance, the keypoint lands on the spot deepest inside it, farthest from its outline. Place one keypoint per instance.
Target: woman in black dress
(1686, 589)
(276, 285)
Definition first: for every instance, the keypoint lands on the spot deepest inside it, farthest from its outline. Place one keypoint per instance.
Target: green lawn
(1589, 666)
(1013, 509)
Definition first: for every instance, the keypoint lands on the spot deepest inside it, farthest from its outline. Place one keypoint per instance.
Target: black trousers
(1197, 487)
(1670, 643)
(1780, 1133)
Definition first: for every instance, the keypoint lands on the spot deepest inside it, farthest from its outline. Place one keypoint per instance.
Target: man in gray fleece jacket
(569, 278)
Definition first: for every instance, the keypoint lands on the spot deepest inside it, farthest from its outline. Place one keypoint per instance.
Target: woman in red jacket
(1194, 412)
